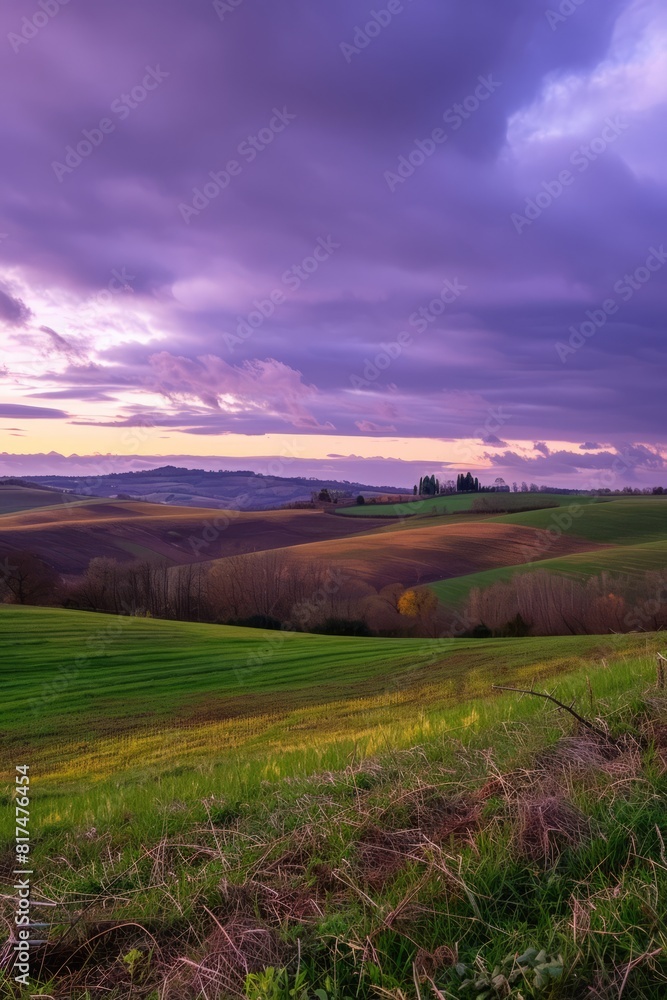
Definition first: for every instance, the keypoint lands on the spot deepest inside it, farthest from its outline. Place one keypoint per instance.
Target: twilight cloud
(350, 263)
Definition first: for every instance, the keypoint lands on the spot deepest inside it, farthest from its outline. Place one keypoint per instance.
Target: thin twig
(584, 722)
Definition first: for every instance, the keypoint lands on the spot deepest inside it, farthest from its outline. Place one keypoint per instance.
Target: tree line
(465, 483)
(273, 590)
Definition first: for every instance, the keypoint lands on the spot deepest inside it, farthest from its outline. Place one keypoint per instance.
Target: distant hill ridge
(225, 489)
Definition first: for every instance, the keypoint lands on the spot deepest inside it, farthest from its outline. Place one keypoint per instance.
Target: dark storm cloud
(276, 135)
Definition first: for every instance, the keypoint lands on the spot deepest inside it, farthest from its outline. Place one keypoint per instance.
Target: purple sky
(438, 236)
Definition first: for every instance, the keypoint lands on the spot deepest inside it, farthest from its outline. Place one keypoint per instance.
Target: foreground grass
(95, 691)
(373, 864)
(361, 841)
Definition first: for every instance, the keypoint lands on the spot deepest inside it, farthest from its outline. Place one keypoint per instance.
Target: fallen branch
(566, 708)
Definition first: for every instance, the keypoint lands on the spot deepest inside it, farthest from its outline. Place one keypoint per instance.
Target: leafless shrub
(553, 604)
(274, 585)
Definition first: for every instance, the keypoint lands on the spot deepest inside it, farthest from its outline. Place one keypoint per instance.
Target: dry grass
(546, 826)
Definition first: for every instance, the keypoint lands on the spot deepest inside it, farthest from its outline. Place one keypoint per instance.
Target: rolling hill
(626, 560)
(617, 522)
(83, 678)
(624, 537)
(224, 490)
(16, 497)
(421, 554)
(461, 503)
(68, 536)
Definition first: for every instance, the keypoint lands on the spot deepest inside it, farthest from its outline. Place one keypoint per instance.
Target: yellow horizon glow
(44, 436)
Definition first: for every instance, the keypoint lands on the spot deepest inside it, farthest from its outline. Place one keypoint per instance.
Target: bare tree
(27, 579)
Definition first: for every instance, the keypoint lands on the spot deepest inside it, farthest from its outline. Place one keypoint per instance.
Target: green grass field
(458, 504)
(635, 530)
(14, 499)
(617, 522)
(86, 677)
(626, 560)
(356, 814)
